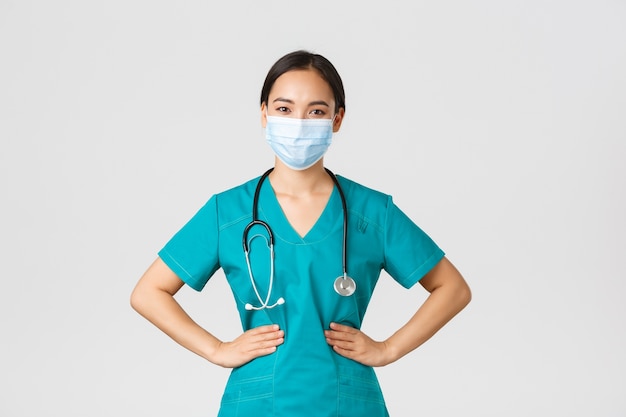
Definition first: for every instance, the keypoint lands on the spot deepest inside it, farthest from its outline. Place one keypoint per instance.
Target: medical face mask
(299, 143)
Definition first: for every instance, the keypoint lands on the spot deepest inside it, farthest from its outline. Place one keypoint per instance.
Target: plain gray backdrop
(498, 126)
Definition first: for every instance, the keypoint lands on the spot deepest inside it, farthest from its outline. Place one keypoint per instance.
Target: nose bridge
(300, 113)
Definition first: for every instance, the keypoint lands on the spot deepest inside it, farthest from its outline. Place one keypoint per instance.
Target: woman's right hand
(260, 341)
(153, 298)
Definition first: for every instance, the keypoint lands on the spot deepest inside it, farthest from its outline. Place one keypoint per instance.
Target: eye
(282, 109)
(317, 113)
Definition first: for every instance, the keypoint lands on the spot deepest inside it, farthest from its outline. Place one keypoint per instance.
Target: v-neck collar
(271, 211)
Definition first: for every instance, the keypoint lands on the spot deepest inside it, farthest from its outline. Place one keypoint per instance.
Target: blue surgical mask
(299, 143)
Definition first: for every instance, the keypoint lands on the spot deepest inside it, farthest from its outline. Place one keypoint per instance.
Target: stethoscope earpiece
(278, 302)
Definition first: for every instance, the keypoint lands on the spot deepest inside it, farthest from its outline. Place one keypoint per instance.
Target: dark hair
(306, 60)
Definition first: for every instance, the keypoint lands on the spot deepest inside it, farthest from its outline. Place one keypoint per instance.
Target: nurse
(302, 250)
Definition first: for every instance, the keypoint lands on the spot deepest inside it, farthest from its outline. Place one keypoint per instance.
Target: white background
(498, 126)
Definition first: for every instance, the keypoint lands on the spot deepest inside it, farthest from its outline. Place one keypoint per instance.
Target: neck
(288, 181)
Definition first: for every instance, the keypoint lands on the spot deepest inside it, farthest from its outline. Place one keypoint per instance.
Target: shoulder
(240, 191)
(364, 202)
(356, 192)
(234, 204)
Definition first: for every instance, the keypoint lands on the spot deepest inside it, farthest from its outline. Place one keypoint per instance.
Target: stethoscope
(344, 285)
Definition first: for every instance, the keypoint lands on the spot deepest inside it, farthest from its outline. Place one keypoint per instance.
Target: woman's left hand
(356, 345)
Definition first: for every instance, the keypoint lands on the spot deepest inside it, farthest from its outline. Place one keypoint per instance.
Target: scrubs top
(304, 376)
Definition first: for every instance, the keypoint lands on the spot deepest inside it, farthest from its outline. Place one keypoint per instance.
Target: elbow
(136, 299)
(463, 295)
(466, 295)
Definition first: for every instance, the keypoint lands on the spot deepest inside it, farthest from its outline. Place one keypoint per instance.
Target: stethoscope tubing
(344, 251)
(255, 215)
(344, 285)
(256, 221)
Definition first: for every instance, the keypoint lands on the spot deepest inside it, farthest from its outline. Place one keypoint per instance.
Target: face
(302, 94)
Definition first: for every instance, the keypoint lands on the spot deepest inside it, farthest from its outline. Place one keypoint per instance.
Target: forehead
(302, 82)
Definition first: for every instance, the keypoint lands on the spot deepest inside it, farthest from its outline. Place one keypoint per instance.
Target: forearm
(440, 307)
(162, 310)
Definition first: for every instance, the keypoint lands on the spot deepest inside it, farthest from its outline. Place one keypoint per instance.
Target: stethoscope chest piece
(344, 285)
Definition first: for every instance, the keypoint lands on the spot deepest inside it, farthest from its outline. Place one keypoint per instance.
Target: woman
(302, 259)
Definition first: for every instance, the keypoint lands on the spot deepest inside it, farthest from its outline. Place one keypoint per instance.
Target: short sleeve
(192, 253)
(409, 252)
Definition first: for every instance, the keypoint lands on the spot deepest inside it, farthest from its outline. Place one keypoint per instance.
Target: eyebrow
(313, 103)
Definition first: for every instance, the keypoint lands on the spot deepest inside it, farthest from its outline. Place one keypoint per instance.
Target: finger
(346, 353)
(263, 333)
(345, 343)
(343, 347)
(257, 348)
(261, 352)
(267, 344)
(268, 336)
(338, 336)
(342, 328)
(264, 329)
(279, 340)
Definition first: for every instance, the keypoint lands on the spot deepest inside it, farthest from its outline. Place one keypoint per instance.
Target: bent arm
(153, 298)
(449, 294)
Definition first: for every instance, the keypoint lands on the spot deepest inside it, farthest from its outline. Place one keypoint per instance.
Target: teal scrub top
(304, 376)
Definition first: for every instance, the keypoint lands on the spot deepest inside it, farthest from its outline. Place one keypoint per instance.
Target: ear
(338, 119)
(263, 115)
